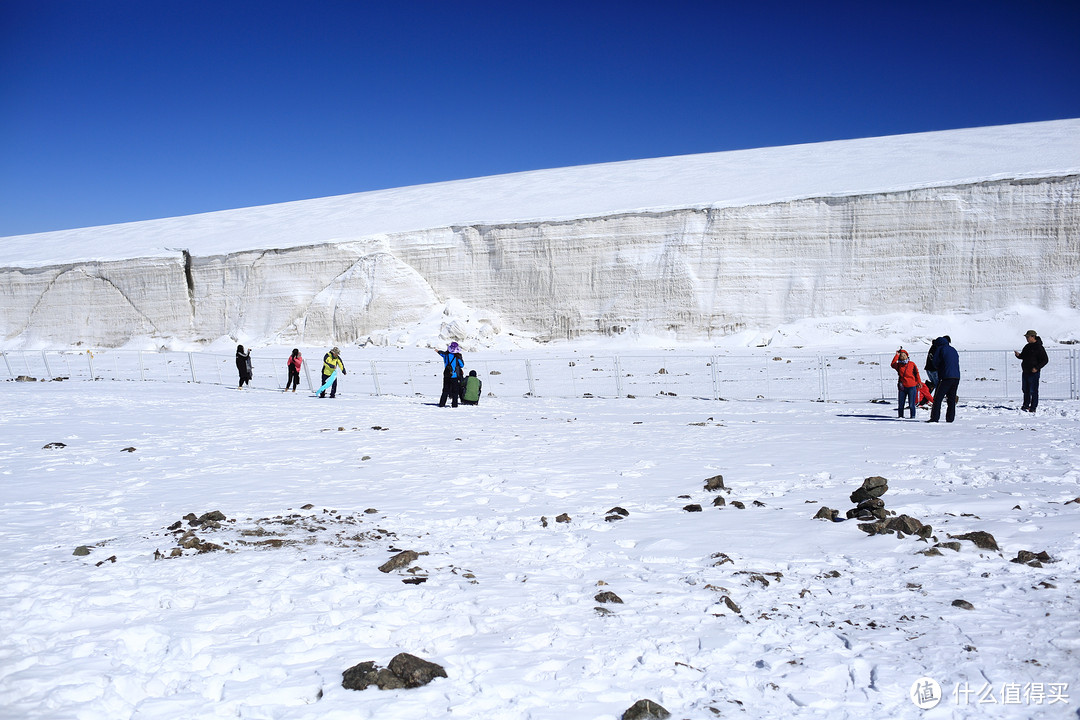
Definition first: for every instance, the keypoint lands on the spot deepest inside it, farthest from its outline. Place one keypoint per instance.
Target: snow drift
(692, 247)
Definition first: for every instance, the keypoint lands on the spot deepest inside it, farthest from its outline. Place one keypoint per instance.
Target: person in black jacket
(243, 366)
(947, 363)
(1032, 360)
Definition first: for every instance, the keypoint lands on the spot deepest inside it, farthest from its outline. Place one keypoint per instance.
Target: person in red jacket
(926, 395)
(294, 362)
(908, 383)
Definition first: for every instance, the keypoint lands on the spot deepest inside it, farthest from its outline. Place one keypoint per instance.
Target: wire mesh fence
(987, 374)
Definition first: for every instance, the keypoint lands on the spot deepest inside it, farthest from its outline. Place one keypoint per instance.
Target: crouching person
(473, 386)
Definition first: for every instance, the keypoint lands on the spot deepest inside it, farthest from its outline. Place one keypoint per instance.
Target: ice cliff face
(692, 272)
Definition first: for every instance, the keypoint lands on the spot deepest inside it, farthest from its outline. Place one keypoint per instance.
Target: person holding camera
(1032, 360)
(907, 383)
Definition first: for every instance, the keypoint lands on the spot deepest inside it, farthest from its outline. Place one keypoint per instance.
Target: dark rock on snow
(405, 671)
(645, 710)
(608, 597)
(981, 539)
(402, 559)
(716, 482)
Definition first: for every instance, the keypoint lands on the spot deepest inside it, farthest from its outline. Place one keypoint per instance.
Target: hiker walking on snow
(1032, 360)
(331, 362)
(294, 362)
(452, 369)
(243, 366)
(907, 385)
(947, 364)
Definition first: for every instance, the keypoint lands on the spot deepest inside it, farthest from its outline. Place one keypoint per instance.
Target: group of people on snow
(943, 377)
(456, 386)
(940, 387)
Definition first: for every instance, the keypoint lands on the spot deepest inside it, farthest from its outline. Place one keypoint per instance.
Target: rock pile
(404, 671)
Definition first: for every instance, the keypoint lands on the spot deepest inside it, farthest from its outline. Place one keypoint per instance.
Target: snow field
(831, 622)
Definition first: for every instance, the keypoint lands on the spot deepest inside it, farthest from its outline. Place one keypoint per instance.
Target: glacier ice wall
(693, 273)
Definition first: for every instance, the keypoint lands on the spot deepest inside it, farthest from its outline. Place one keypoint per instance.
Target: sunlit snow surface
(725, 179)
(844, 627)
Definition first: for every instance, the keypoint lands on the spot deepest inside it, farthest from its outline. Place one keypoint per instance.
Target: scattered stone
(963, 604)
(692, 507)
(721, 558)
(414, 671)
(603, 611)
(618, 511)
(645, 710)
(738, 504)
(402, 559)
(564, 518)
(716, 482)
(405, 671)
(111, 559)
(954, 546)
(543, 521)
(909, 525)
(309, 506)
(25, 378)
(930, 552)
(608, 597)
(128, 449)
(370, 511)
(1074, 500)
(414, 580)
(719, 501)
(981, 539)
(54, 446)
(81, 551)
(731, 605)
(825, 513)
(1027, 557)
(758, 503)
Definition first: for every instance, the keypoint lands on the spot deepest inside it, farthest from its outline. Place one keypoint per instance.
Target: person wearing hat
(452, 369)
(331, 362)
(908, 382)
(1032, 360)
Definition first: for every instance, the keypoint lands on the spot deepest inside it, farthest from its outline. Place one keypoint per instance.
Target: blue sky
(120, 110)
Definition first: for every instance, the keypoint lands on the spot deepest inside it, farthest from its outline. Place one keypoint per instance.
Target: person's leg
(333, 389)
(1034, 380)
(950, 412)
(939, 395)
(1025, 384)
(325, 377)
(901, 393)
(912, 394)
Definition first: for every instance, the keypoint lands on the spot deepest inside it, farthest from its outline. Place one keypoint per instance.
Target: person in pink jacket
(294, 362)
(908, 382)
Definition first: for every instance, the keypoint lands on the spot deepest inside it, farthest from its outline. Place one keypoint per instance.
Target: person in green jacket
(473, 385)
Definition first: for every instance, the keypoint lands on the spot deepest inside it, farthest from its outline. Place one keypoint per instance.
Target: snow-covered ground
(728, 612)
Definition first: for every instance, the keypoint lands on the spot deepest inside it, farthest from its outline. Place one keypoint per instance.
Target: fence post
(823, 379)
(375, 378)
(618, 377)
(8, 365)
(90, 361)
(715, 378)
(191, 364)
(45, 359)
(529, 374)
(307, 374)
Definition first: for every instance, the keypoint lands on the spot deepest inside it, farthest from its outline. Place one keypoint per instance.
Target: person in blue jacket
(947, 364)
(452, 374)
